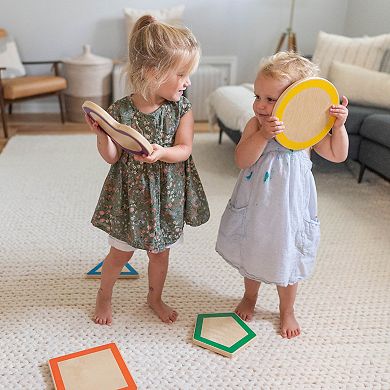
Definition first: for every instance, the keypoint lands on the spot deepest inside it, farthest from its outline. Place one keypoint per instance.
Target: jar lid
(87, 58)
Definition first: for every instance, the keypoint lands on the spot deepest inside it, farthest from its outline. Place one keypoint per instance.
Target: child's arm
(334, 147)
(181, 149)
(254, 139)
(107, 148)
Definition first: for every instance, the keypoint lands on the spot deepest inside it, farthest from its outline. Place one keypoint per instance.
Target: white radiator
(204, 81)
(213, 72)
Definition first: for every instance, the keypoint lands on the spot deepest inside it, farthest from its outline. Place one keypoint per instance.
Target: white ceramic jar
(89, 78)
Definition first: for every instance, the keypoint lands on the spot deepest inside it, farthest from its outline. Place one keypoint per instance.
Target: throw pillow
(9, 58)
(360, 85)
(385, 64)
(366, 52)
(167, 15)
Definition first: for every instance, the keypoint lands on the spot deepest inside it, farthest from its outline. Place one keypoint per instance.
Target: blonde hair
(155, 50)
(288, 65)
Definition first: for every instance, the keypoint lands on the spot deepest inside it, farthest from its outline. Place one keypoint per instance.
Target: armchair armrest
(54, 64)
(40, 62)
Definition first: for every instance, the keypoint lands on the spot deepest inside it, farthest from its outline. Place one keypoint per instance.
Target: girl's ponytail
(142, 22)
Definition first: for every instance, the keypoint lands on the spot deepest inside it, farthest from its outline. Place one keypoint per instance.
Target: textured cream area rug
(49, 187)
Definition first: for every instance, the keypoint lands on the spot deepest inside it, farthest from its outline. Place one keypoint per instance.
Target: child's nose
(259, 104)
(187, 82)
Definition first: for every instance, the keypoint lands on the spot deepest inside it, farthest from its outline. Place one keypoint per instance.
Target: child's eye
(270, 100)
(256, 97)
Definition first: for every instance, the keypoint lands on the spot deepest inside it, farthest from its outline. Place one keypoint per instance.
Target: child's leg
(112, 267)
(289, 326)
(158, 268)
(246, 307)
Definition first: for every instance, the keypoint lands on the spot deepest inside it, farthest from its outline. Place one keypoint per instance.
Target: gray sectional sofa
(369, 139)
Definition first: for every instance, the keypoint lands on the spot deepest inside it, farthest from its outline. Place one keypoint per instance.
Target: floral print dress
(146, 205)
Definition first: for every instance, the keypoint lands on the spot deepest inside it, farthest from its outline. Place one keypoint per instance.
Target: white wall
(248, 29)
(367, 17)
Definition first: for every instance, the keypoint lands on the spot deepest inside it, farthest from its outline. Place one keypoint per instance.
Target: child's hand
(271, 126)
(158, 152)
(340, 112)
(93, 125)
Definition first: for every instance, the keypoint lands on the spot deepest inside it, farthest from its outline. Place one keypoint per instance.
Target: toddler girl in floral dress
(146, 200)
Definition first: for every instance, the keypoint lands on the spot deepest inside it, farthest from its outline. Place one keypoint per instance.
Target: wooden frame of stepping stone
(128, 272)
(100, 367)
(223, 333)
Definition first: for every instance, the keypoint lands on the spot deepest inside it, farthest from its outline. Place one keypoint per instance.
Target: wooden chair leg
(3, 116)
(361, 173)
(61, 107)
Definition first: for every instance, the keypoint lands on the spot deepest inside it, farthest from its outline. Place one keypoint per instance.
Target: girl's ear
(152, 73)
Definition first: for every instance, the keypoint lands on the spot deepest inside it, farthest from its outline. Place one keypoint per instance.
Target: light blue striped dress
(269, 230)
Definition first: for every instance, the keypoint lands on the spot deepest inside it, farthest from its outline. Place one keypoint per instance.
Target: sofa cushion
(232, 104)
(385, 64)
(22, 87)
(361, 51)
(354, 145)
(360, 85)
(376, 128)
(357, 114)
(375, 156)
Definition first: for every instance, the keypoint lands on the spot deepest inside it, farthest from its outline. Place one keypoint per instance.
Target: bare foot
(163, 311)
(103, 314)
(246, 308)
(289, 326)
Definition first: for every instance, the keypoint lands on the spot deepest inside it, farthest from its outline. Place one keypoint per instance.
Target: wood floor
(32, 124)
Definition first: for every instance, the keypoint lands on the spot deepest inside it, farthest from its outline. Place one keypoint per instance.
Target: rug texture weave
(49, 188)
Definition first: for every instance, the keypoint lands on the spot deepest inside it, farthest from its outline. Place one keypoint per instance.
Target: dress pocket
(232, 221)
(243, 189)
(309, 237)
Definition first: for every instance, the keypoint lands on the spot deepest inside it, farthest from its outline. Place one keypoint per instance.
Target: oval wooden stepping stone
(125, 136)
(304, 109)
